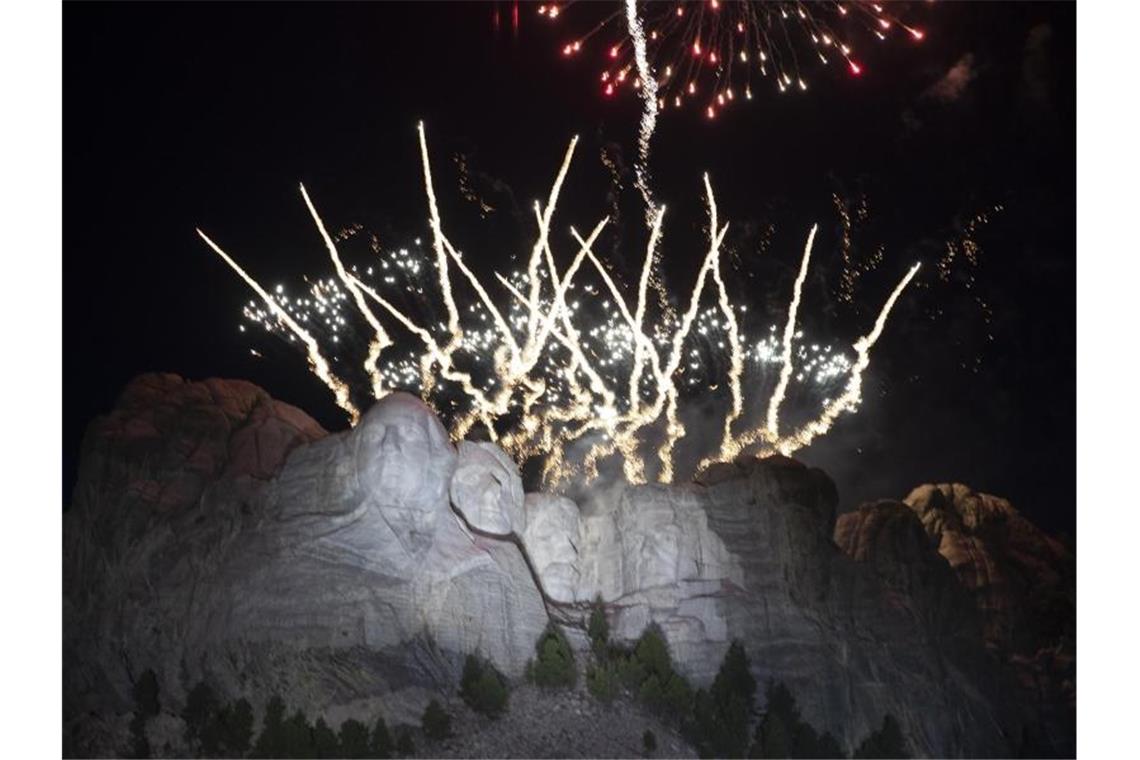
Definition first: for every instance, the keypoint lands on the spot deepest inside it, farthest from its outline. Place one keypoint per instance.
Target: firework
(649, 101)
(712, 54)
(544, 376)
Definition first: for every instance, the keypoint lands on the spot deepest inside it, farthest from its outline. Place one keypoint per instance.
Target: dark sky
(209, 115)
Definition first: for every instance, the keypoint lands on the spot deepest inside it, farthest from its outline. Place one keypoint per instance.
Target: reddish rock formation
(1021, 577)
(1020, 582)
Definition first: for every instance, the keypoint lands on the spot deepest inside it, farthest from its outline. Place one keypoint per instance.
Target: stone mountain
(217, 534)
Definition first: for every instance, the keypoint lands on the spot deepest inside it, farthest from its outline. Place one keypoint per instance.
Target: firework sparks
(317, 361)
(711, 53)
(542, 374)
(789, 332)
(648, 86)
(852, 395)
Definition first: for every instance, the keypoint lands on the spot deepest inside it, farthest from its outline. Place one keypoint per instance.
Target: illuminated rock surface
(486, 489)
(218, 534)
(552, 537)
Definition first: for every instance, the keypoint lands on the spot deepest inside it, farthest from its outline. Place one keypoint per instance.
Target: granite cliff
(217, 534)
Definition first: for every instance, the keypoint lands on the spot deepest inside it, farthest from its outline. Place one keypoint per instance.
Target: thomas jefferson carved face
(404, 463)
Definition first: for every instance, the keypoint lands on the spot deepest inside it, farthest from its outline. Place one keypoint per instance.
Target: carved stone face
(487, 490)
(552, 538)
(404, 462)
(650, 537)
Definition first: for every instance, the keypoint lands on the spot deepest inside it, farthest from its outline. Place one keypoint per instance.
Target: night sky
(209, 115)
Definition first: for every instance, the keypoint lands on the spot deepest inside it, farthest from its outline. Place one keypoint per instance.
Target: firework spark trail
(517, 372)
(674, 429)
(440, 262)
(380, 339)
(639, 316)
(487, 301)
(317, 361)
(434, 356)
(558, 309)
(552, 442)
(773, 420)
(569, 399)
(853, 394)
(543, 242)
(736, 358)
(648, 86)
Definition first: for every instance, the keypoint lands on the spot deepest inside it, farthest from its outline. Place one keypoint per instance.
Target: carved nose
(391, 442)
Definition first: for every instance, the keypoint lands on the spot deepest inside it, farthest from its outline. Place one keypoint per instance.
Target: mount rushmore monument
(218, 534)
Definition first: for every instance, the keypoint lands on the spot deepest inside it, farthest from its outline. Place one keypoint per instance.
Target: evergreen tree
(353, 739)
(652, 653)
(781, 702)
(405, 747)
(828, 746)
(299, 737)
(677, 697)
(201, 704)
(719, 726)
(271, 740)
(140, 746)
(602, 680)
(554, 665)
(651, 693)
(648, 742)
(380, 742)
(211, 738)
(436, 721)
(145, 691)
(239, 727)
(482, 687)
(776, 741)
(468, 681)
(886, 742)
(734, 679)
(598, 627)
(805, 741)
(324, 740)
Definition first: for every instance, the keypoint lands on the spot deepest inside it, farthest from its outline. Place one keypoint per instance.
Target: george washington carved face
(404, 462)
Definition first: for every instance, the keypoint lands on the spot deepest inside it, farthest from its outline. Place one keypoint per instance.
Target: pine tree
(648, 742)
(554, 665)
(777, 740)
(598, 627)
(324, 740)
(482, 687)
(201, 704)
(436, 721)
(886, 742)
(353, 739)
(146, 694)
(271, 740)
(239, 727)
(653, 653)
(299, 737)
(380, 743)
(405, 747)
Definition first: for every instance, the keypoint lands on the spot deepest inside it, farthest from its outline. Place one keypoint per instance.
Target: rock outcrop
(219, 535)
(1023, 583)
(1022, 579)
(344, 579)
(487, 491)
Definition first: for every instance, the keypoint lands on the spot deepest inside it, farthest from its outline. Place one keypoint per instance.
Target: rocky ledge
(217, 534)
